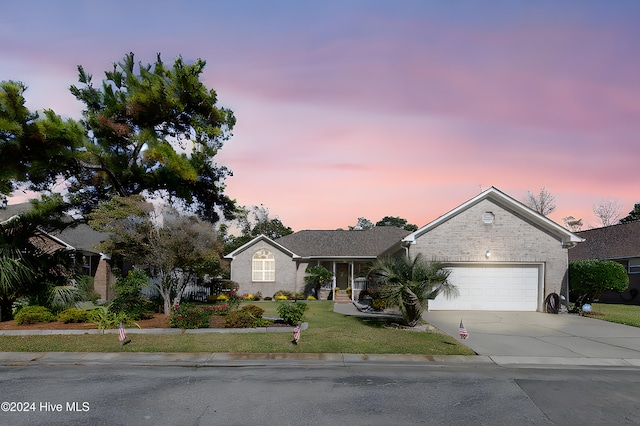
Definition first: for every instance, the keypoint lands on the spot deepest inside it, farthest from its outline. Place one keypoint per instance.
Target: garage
(491, 288)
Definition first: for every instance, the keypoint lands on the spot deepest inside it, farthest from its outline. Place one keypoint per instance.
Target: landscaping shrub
(589, 278)
(106, 319)
(316, 277)
(223, 286)
(257, 296)
(278, 295)
(34, 314)
(292, 313)
(256, 311)
(233, 300)
(86, 289)
(262, 322)
(187, 315)
(129, 298)
(73, 315)
(219, 310)
(378, 304)
(239, 319)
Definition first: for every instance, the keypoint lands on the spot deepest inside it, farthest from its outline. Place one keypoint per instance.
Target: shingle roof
(80, 236)
(610, 242)
(366, 243)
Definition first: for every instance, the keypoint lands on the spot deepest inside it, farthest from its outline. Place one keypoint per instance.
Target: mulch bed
(156, 321)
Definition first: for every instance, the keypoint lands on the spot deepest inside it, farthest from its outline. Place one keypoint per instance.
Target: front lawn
(621, 314)
(328, 332)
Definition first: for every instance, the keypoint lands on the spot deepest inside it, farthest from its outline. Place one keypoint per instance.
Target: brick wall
(285, 276)
(510, 238)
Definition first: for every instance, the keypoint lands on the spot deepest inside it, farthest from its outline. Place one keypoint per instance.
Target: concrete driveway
(535, 338)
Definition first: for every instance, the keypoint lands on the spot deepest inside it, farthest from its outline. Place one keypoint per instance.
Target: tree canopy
(252, 223)
(174, 250)
(397, 221)
(633, 215)
(153, 129)
(147, 129)
(34, 150)
(544, 202)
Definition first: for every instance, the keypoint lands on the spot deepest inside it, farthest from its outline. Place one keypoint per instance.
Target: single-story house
(79, 240)
(620, 243)
(266, 266)
(502, 255)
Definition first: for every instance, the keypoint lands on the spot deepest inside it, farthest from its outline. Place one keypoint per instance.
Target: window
(263, 266)
(634, 266)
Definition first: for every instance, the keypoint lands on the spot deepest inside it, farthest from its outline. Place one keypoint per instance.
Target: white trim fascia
(339, 257)
(67, 246)
(260, 237)
(569, 239)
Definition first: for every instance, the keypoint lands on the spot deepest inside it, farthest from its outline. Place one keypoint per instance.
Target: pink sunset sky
(352, 109)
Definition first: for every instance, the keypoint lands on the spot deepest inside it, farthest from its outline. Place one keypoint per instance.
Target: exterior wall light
(488, 254)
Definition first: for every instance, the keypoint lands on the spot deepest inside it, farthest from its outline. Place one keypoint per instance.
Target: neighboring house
(266, 266)
(620, 243)
(502, 255)
(79, 239)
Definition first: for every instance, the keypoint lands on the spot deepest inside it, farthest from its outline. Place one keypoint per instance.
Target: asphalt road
(456, 394)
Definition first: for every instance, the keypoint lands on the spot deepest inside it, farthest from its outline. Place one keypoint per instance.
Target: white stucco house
(503, 256)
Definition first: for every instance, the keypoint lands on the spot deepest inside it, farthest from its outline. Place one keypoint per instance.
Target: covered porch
(349, 278)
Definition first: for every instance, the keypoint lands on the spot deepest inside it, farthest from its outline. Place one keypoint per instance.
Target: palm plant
(408, 284)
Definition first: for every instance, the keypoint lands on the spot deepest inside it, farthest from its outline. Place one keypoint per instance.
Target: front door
(342, 276)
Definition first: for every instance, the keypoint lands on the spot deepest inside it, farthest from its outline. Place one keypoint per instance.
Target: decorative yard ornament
(463, 331)
(122, 335)
(296, 334)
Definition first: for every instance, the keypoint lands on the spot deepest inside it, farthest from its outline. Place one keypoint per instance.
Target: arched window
(263, 266)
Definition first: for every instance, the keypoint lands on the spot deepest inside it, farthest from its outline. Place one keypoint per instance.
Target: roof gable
(498, 197)
(257, 239)
(610, 242)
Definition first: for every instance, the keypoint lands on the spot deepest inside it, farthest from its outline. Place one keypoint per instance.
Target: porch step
(342, 298)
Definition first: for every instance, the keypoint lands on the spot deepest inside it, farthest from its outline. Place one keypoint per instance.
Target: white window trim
(633, 266)
(263, 266)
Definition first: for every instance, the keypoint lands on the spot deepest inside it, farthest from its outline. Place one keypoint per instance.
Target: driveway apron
(536, 334)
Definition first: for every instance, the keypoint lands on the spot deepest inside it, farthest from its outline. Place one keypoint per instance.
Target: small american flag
(463, 331)
(296, 334)
(123, 336)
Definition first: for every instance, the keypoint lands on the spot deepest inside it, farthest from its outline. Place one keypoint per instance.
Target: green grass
(621, 314)
(328, 332)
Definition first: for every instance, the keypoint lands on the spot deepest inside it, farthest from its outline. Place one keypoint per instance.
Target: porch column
(352, 267)
(333, 284)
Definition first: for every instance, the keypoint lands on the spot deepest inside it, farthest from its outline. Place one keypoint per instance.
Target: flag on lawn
(296, 335)
(463, 331)
(123, 336)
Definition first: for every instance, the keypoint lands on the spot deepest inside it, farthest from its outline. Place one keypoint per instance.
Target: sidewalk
(506, 339)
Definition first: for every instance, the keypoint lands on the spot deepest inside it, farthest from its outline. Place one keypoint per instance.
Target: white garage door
(495, 288)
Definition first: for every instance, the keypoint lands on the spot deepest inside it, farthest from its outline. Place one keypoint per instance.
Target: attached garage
(503, 255)
(506, 287)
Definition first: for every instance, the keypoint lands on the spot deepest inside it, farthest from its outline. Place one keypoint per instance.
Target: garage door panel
(491, 288)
